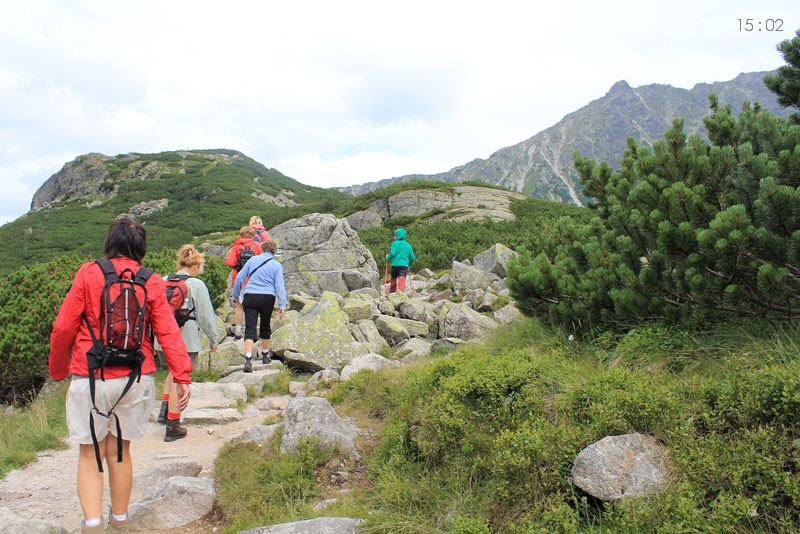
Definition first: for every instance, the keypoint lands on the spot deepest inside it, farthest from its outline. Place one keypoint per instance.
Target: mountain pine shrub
(31, 297)
(683, 230)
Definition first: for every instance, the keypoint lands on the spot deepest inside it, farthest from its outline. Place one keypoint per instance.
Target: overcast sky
(334, 93)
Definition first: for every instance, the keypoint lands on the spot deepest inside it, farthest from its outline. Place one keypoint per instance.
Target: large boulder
(372, 362)
(314, 418)
(186, 498)
(494, 260)
(320, 339)
(368, 218)
(631, 465)
(467, 277)
(465, 323)
(460, 203)
(322, 253)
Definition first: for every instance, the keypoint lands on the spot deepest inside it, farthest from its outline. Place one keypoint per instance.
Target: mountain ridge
(542, 165)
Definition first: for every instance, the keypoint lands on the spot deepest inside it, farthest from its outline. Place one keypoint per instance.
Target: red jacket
(233, 257)
(70, 340)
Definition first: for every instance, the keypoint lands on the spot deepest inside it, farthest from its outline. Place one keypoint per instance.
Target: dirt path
(46, 488)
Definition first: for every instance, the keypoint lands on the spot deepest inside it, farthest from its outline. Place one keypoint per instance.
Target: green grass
(482, 440)
(38, 427)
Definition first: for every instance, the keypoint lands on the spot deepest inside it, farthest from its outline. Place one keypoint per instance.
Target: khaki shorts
(133, 410)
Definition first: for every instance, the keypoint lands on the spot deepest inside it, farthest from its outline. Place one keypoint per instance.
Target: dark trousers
(398, 282)
(258, 305)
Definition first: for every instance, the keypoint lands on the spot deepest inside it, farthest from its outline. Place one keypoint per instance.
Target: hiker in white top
(189, 262)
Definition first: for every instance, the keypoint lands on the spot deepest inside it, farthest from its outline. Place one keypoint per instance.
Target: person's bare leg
(90, 481)
(172, 389)
(238, 317)
(120, 474)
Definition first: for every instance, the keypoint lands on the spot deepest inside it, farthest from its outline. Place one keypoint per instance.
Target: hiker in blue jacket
(260, 282)
(402, 256)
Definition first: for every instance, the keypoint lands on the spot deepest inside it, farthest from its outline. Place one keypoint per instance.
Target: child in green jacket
(402, 256)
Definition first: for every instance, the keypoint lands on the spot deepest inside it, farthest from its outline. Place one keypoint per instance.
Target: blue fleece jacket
(268, 280)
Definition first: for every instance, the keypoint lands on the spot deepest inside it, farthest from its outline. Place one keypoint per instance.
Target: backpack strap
(110, 274)
(260, 266)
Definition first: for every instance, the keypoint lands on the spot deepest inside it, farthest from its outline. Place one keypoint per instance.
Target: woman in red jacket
(125, 247)
(245, 242)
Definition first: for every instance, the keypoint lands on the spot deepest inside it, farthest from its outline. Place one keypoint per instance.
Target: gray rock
(11, 523)
(324, 378)
(260, 434)
(494, 260)
(386, 307)
(183, 467)
(367, 291)
(417, 309)
(369, 218)
(216, 395)
(357, 309)
(391, 329)
(412, 350)
(186, 498)
(202, 416)
(372, 362)
(318, 525)
(320, 339)
(466, 277)
(631, 465)
(507, 314)
(415, 328)
(372, 337)
(426, 274)
(257, 378)
(464, 323)
(314, 418)
(487, 302)
(322, 253)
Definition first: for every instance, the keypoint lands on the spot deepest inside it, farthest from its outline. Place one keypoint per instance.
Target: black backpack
(123, 307)
(178, 298)
(244, 255)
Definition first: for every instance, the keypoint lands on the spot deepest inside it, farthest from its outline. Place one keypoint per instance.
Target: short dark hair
(128, 238)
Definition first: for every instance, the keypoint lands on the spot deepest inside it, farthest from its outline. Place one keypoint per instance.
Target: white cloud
(336, 93)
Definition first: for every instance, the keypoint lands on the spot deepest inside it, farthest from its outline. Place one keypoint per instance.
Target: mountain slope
(178, 195)
(542, 166)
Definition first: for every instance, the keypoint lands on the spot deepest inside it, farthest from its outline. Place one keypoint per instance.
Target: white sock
(249, 355)
(122, 517)
(93, 522)
(238, 330)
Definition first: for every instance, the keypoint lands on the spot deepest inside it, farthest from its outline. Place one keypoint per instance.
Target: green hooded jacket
(401, 254)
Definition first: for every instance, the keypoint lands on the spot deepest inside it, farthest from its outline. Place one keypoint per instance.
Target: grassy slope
(204, 198)
(483, 440)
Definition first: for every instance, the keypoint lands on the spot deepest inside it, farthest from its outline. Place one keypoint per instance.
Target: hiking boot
(237, 336)
(97, 529)
(174, 430)
(265, 354)
(162, 412)
(248, 365)
(115, 525)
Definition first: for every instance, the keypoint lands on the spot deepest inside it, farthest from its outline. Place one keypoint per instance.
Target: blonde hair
(246, 231)
(255, 219)
(269, 246)
(188, 257)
